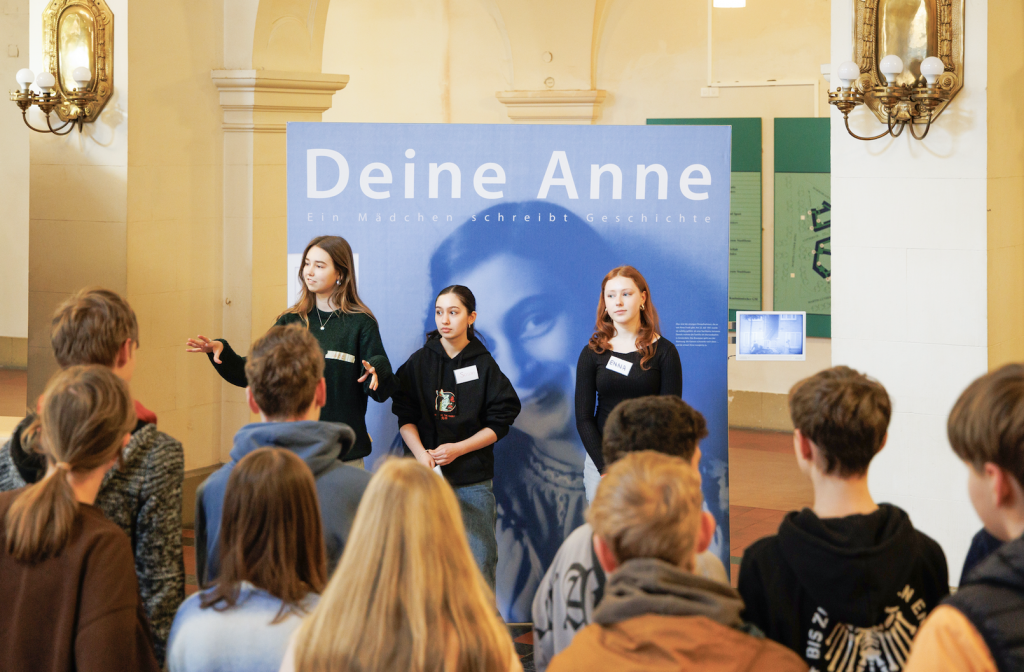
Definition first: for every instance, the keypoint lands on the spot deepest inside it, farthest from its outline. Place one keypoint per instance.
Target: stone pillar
(257, 105)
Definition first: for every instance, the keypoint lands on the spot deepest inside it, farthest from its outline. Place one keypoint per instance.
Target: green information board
(803, 221)
(744, 209)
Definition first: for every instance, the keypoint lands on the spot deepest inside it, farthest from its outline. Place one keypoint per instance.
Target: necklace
(322, 323)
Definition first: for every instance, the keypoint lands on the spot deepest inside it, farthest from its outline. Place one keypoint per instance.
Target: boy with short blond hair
(847, 579)
(142, 493)
(981, 627)
(572, 587)
(656, 613)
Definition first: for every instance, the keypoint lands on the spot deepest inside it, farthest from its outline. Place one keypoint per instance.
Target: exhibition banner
(530, 218)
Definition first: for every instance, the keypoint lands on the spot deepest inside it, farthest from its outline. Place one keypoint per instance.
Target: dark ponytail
(87, 411)
(468, 302)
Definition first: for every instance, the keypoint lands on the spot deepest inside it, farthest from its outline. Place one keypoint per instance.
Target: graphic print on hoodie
(450, 399)
(847, 594)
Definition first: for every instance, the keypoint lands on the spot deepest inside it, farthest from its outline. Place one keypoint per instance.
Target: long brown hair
(271, 534)
(345, 296)
(87, 411)
(604, 329)
(407, 594)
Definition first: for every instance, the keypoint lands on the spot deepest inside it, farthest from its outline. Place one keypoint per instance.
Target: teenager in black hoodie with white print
(453, 404)
(847, 583)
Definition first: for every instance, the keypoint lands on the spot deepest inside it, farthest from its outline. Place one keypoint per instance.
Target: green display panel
(744, 208)
(803, 221)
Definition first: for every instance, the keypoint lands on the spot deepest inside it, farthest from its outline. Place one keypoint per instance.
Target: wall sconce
(78, 44)
(910, 85)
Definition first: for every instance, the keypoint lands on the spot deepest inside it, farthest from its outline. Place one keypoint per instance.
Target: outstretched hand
(202, 344)
(370, 371)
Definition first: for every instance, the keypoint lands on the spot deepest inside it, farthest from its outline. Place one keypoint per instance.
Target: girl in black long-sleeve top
(625, 358)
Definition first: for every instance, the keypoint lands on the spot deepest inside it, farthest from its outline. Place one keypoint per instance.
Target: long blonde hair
(344, 296)
(407, 594)
(87, 411)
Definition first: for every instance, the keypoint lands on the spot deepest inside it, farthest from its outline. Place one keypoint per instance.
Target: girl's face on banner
(622, 300)
(451, 317)
(528, 330)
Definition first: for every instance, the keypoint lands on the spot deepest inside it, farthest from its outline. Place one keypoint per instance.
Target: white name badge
(466, 374)
(619, 365)
(343, 356)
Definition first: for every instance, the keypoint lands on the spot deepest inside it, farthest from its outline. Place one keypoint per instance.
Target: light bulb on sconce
(931, 68)
(82, 76)
(46, 81)
(78, 50)
(25, 78)
(848, 73)
(891, 66)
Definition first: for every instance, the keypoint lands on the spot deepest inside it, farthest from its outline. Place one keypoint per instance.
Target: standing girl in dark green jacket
(357, 366)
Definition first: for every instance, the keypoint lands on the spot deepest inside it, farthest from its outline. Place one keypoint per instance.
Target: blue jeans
(479, 515)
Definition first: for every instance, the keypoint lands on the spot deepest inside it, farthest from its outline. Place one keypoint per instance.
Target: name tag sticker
(466, 374)
(343, 356)
(619, 365)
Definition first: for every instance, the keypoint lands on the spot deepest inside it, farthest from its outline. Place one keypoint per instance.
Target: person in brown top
(657, 614)
(67, 575)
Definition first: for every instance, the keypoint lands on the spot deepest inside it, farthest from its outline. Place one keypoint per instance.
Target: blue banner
(530, 218)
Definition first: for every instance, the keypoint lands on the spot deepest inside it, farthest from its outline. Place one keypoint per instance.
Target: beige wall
(416, 62)
(174, 215)
(1005, 184)
(78, 197)
(133, 203)
(14, 50)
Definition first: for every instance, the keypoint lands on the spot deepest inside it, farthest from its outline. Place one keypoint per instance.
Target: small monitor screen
(771, 335)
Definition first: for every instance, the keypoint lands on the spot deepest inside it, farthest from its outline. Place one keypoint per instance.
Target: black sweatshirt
(346, 340)
(444, 410)
(598, 385)
(857, 586)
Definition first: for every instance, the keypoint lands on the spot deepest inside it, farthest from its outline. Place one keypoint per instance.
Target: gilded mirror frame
(943, 32)
(94, 25)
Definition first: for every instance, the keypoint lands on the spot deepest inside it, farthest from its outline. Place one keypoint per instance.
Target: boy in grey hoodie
(286, 387)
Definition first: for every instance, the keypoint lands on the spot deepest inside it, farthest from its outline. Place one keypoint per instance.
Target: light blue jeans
(479, 515)
(591, 478)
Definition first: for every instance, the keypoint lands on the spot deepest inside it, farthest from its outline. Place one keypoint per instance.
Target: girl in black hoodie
(453, 404)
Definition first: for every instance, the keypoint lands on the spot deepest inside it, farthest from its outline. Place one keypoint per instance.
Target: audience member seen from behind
(657, 614)
(67, 576)
(848, 579)
(574, 583)
(408, 595)
(273, 567)
(285, 369)
(142, 493)
(980, 627)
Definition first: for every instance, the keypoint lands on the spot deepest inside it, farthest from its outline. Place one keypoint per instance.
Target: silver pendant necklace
(322, 323)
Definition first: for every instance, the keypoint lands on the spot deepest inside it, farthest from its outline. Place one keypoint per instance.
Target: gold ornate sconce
(78, 44)
(922, 69)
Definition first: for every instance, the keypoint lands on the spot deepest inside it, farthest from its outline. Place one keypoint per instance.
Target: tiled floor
(765, 483)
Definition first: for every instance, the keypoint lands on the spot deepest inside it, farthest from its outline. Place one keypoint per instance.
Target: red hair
(604, 329)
